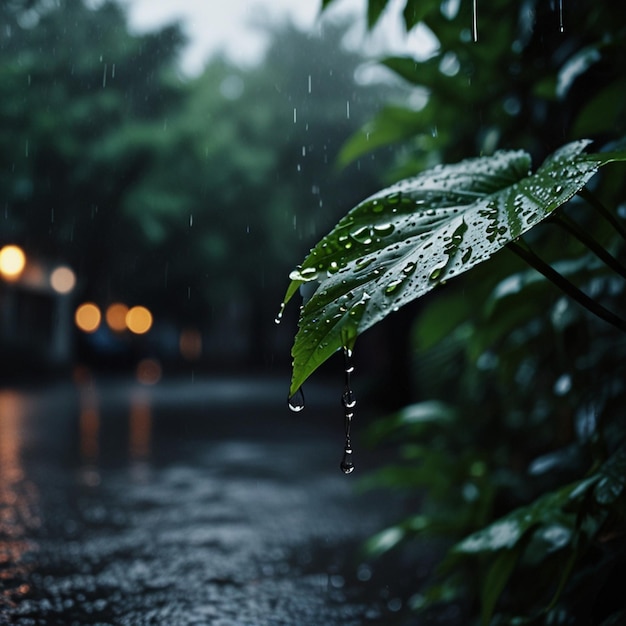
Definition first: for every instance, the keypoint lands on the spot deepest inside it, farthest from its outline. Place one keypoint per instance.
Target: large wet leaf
(405, 240)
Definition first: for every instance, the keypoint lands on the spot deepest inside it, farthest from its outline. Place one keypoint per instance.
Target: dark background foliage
(516, 425)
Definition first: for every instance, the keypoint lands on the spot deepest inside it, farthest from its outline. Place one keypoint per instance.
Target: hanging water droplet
(384, 230)
(304, 274)
(333, 268)
(347, 465)
(561, 29)
(436, 273)
(279, 316)
(393, 286)
(296, 402)
(348, 400)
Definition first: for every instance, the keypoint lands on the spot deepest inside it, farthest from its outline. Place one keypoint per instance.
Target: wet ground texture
(187, 503)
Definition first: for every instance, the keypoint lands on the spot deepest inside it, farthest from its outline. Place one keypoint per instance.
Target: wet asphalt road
(187, 503)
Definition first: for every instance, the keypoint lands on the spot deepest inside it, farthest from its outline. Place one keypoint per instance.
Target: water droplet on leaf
(437, 272)
(392, 287)
(296, 402)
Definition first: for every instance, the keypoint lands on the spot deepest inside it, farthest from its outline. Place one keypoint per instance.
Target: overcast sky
(223, 24)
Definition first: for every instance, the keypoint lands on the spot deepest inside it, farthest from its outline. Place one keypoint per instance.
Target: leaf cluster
(515, 450)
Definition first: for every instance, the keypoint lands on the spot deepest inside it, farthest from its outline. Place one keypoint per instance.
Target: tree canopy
(187, 195)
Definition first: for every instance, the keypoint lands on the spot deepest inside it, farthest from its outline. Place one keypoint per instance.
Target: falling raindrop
(347, 465)
(561, 16)
(349, 402)
(474, 22)
(279, 316)
(296, 401)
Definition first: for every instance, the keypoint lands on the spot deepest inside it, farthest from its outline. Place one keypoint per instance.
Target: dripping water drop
(348, 400)
(347, 465)
(279, 316)
(296, 401)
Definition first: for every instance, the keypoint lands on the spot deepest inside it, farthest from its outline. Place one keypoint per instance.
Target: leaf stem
(525, 253)
(586, 239)
(604, 212)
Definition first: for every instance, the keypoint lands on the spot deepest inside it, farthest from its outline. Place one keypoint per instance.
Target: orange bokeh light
(88, 317)
(12, 262)
(139, 320)
(116, 316)
(190, 344)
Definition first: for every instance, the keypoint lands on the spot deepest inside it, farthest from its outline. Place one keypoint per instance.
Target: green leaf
(416, 10)
(392, 124)
(375, 9)
(413, 71)
(574, 67)
(612, 479)
(441, 319)
(546, 511)
(384, 541)
(415, 417)
(604, 112)
(495, 581)
(427, 74)
(405, 240)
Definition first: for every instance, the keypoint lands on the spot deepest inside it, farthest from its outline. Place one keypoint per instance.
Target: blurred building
(35, 313)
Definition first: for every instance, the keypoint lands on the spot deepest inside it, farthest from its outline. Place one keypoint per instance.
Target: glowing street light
(88, 317)
(63, 279)
(116, 316)
(12, 262)
(139, 320)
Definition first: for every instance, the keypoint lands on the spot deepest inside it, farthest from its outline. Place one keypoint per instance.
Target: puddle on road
(134, 514)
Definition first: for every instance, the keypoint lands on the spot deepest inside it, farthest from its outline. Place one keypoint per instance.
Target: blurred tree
(190, 197)
(244, 185)
(84, 104)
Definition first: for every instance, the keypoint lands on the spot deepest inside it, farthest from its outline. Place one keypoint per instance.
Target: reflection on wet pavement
(128, 505)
